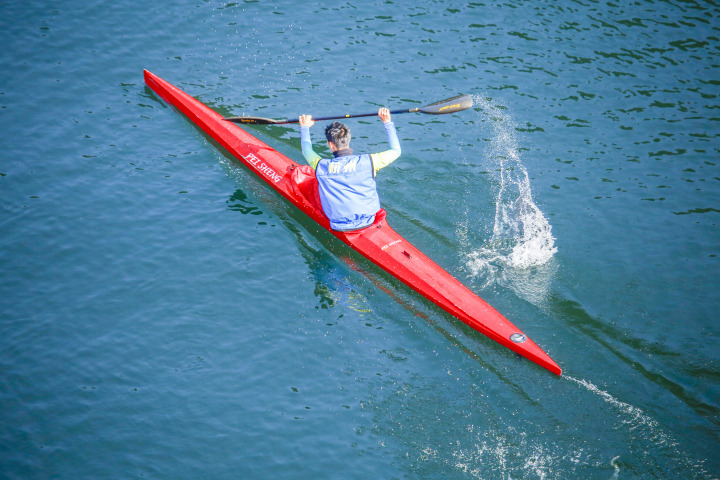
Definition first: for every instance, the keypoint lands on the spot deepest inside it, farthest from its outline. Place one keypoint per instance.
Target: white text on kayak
(262, 167)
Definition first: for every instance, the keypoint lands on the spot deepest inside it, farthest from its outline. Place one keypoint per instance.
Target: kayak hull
(379, 243)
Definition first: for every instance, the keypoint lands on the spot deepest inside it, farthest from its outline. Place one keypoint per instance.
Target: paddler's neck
(343, 152)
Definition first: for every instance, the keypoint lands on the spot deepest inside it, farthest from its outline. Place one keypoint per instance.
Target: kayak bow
(378, 243)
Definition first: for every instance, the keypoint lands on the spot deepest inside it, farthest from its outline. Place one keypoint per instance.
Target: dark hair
(339, 134)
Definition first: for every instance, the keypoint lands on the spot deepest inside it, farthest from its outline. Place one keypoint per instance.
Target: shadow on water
(610, 337)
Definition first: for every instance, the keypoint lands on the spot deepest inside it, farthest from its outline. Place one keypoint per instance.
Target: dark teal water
(163, 314)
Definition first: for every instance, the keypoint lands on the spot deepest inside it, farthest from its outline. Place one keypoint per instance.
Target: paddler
(348, 191)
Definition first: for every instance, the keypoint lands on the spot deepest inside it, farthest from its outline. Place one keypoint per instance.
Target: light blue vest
(348, 191)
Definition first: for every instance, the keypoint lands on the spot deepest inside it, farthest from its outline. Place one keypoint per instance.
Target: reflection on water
(239, 202)
(332, 284)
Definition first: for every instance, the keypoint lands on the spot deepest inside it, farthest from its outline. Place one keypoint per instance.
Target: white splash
(521, 236)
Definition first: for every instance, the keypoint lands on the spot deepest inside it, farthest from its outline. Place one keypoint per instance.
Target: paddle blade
(451, 105)
(255, 120)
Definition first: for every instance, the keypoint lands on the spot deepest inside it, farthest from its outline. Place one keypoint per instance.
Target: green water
(164, 314)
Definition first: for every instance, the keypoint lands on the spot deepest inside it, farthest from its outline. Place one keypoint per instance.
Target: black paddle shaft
(450, 105)
(352, 115)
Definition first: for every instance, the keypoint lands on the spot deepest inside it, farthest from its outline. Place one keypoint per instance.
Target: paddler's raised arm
(311, 157)
(383, 159)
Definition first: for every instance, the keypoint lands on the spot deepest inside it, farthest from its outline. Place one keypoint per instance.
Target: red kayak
(378, 243)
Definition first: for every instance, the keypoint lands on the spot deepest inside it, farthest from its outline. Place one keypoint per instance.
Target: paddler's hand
(306, 121)
(384, 115)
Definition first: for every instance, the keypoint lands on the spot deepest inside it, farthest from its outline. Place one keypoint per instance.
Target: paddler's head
(338, 136)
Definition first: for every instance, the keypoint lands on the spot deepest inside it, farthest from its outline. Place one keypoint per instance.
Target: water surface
(164, 314)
